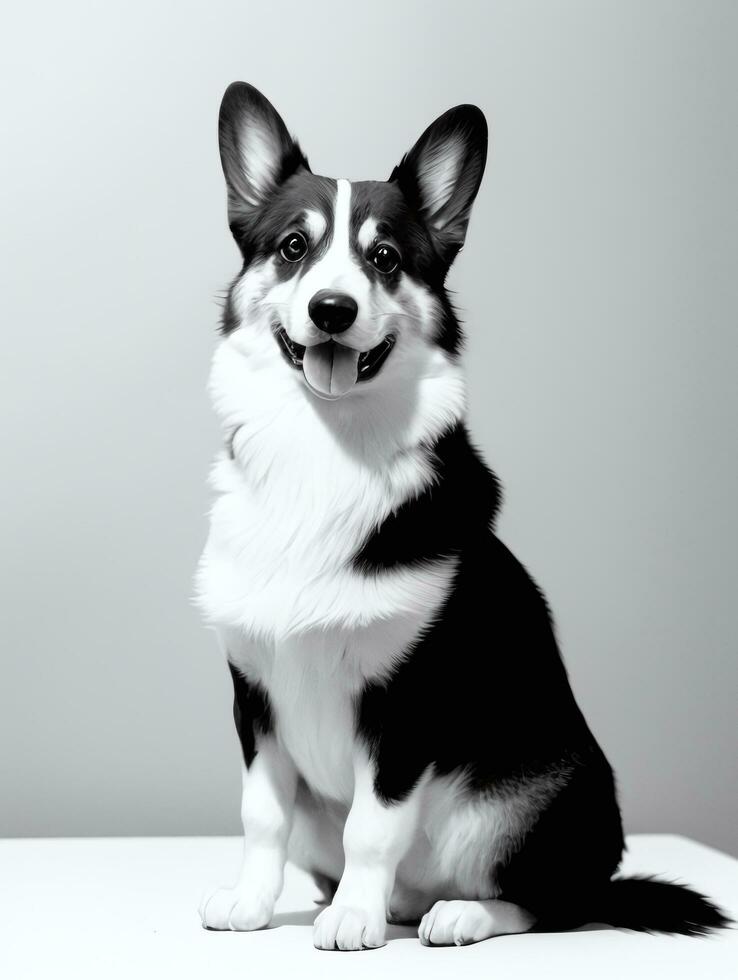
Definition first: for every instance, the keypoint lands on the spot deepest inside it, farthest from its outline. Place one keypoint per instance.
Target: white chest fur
(305, 489)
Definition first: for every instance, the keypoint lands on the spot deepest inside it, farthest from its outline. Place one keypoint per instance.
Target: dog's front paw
(348, 927)
(239, 909)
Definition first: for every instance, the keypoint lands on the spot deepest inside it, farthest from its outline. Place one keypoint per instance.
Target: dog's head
(347, 278)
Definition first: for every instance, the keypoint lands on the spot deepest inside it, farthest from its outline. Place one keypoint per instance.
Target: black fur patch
(283, 213)
(401, 225)
(484, 690)
(252, 712)
(259, 238)
(459, 505)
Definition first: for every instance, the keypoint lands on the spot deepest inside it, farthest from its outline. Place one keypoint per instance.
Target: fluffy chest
(307, 484)
(284, 530)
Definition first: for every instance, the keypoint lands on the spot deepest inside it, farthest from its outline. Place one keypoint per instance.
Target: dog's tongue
(330, 368)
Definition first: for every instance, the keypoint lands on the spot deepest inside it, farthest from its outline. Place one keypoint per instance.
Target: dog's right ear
(256, 151)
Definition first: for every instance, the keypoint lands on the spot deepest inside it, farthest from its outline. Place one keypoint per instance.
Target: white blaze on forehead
(342, 215)
(316, 224)
(337, 265)
(367, 233)
(338, 269)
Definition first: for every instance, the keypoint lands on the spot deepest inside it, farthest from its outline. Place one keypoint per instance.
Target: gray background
(599, 290)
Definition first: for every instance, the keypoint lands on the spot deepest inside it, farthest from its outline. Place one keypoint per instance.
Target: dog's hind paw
(458, 923)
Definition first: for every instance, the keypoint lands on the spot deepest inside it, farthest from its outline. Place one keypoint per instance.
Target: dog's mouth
(331, 369)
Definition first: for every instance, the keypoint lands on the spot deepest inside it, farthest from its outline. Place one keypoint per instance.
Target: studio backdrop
(598, 293)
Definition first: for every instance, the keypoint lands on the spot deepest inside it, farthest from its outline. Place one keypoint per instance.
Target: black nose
(332, 312)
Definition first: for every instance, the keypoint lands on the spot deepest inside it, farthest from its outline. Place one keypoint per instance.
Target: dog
(408, 731)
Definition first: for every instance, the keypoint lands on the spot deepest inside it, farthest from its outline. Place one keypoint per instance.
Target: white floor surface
(127, 908)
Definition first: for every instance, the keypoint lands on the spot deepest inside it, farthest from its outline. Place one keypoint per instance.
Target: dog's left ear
(441, 175)
(256, 151)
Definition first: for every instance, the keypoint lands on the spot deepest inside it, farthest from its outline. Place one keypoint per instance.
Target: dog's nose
(332, 312)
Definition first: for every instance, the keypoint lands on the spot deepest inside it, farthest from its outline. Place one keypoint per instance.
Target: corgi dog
(408, 731)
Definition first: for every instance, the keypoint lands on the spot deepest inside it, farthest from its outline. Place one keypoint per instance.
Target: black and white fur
(409, 734)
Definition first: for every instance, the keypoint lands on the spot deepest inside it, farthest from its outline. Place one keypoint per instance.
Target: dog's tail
(649, 904)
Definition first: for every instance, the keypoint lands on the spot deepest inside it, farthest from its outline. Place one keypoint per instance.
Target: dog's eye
(293, 247)
(385, 258)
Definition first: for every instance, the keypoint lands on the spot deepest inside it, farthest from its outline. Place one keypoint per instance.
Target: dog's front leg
(376, 837)
(269, 783)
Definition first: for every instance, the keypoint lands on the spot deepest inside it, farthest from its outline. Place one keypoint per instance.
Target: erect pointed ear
(256, 150)
(441, 175)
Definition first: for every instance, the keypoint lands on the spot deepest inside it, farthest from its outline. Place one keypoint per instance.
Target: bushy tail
(648, 904)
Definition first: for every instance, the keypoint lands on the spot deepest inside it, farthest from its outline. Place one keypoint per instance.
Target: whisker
(396, 316)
